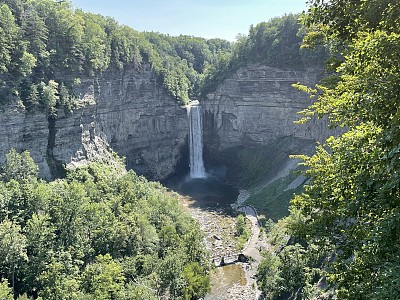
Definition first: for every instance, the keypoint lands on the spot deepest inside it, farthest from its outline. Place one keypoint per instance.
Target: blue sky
(205, 18)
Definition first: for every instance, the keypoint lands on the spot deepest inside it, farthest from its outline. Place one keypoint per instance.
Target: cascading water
(195, 141)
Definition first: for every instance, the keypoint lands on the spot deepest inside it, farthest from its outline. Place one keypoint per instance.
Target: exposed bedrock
(130, 112)
(127, 111)
(140, 121)
(257, 107)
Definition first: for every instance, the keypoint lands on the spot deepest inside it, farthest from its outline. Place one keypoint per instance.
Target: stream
(209, 201)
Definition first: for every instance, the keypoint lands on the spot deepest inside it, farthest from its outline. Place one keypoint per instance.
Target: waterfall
(195, 141)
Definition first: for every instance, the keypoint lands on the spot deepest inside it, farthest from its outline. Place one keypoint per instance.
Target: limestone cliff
(128, 111)
(24, 131)
(258, 104)
(248, 125)
(141, 121)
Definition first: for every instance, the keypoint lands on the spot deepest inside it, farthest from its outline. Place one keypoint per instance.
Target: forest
(46, 47)
(275, 43)
(99, 233)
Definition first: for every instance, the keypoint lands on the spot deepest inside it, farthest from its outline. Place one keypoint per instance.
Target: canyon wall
(130, 112)
(257, 105)
(141, 121)
(249, 127)
(127, 111)
(24, 131)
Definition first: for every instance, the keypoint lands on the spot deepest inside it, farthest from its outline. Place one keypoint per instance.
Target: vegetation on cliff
(350, 209)
(100, 233)
(275, 43)
(46, 46)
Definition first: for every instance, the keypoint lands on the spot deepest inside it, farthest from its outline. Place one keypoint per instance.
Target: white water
(196, 164)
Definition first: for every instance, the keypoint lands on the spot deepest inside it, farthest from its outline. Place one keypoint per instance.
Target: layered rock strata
(141, 121)
(127, 110)
(130, 112)
(24, 131)
(257, 105)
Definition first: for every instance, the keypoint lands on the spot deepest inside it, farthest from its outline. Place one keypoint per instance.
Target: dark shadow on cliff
(251, 164)
(250, 167)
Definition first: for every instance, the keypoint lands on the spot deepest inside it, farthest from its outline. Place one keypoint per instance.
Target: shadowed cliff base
(266, 171)
(249, 166)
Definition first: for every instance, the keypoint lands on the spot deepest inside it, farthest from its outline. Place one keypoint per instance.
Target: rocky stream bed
(236, 281)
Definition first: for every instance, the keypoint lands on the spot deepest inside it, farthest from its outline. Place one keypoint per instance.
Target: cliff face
(258, 105)
(141, 121)
(128, 111)
(24, 131)
(248, 124)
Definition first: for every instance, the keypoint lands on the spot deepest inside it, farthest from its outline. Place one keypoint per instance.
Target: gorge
(115, 185)
(130, 112)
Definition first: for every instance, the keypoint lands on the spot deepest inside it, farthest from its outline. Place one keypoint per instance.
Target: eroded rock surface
(128, 111)
(257, 105)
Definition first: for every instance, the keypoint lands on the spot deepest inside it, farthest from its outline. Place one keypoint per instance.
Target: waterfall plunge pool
(211, 192)
(207, 190)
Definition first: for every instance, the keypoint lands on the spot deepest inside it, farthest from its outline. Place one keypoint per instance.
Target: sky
(204, 18)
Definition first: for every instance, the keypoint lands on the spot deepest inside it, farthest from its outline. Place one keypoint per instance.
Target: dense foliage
(181, 61)
(340, 21)
(291, 270)
(275, 43)
(101, 233)
(46, 47)
(350, 208)
(242, 231)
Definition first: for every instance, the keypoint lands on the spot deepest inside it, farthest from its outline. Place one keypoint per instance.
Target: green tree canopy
(275, 43)
(12, 249)
(45, 40)
(351, 204)
(100, 233)
(19, 166)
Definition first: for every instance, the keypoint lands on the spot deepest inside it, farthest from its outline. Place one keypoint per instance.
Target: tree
(97, 234)
(61, 278)
(36, 34)
(49, 96)
(94, 43)
(170, 270)
(293, 261)
(341, 20)
(240, 225)
(138, 291)
(351, 202)
(19, 166)
(268, 275)
(104, 278)
(27, 63)
(12, 249)
(197, 284)
(8, 37)
(40, 235)
(6, 293)
(67, 208)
